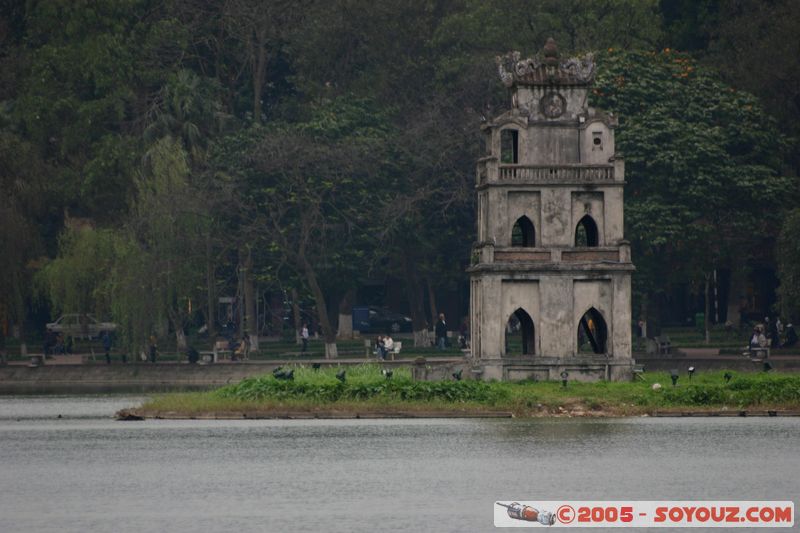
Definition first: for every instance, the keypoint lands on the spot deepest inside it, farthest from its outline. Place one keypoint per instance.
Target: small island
(368, 391)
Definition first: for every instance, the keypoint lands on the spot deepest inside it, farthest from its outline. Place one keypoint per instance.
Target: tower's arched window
(523, 233)
(509, 147)
(586, 232)
(520, 334)
(592, 333)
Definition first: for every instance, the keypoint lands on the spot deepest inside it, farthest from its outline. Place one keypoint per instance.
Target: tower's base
(550, 369)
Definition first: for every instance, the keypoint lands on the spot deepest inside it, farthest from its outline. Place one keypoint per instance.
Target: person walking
(441, 332)
(304, 337)
(107, 346)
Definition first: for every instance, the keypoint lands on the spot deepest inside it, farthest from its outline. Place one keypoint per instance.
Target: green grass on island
(367, 391)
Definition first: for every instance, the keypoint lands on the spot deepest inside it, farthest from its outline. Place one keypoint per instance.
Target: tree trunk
(259, 70)
(415, 298)
(322, 310)
(432, 301)
(177, 324)
(707, 318)
(643, 316)
(736, 297)
(346, 315)
(180, 339)
(331, 350)
(211, 316)
(296, 315)
(251, 325)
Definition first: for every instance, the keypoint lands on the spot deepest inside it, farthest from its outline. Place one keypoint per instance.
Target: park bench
(373, 350)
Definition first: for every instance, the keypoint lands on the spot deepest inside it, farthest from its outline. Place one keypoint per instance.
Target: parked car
(380, 320)
(80, 326)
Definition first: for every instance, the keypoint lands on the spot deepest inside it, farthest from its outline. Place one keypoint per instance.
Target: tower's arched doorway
(592, 333)
(523, 233)
(586, 233)
(520, 334)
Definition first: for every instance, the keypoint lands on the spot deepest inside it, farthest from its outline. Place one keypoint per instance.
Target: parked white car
(80, 326)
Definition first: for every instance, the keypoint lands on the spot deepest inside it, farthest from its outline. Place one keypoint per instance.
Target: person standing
(153, 349)
(388, 345)
(107, 346)
(791, 336)
(772, 334)
(304, 337)
(441, 332)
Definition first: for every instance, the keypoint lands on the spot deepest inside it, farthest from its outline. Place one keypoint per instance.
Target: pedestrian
(379, 347)
(107, 346)
(153, 349)
(754, 338)
(441, 332)
(463, 338)
(791, 336)
(304, 337)
(772, 334)
(192, 355)
(388, 345)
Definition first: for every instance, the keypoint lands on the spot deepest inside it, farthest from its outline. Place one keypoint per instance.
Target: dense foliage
(361, 383)
(155, 155)
(696, 152)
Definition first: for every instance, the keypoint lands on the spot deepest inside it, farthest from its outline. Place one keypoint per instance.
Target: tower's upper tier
(546, 87)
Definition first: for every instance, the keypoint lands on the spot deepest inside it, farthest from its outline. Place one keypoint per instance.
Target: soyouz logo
(644, 514)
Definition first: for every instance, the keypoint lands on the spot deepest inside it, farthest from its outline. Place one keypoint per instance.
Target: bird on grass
(341, 376)
(457, 375)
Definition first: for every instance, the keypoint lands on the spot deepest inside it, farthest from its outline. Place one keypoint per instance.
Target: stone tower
(551, 272)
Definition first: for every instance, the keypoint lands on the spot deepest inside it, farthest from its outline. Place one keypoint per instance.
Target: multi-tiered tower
(551, 270)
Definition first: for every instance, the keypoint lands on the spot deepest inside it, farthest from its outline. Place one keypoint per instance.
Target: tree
(76, 281)
(788, 252)
(703, 165)
(313, 190)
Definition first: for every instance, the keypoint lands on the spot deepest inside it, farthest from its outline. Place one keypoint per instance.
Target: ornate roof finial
(550, 52)
(545, 68)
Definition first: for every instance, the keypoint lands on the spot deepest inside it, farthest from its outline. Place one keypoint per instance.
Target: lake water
(88, 473)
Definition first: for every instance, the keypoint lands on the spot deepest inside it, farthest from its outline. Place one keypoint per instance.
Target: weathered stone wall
(556, 302)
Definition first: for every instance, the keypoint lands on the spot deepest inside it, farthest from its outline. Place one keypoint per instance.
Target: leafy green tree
(76, 280)
(314, 191)
(167, 225)
(703, 165)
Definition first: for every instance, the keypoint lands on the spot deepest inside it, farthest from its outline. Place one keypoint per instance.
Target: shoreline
(351, 412)
(369, 391)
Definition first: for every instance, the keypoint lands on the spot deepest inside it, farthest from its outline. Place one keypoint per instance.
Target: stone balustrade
(556, 173)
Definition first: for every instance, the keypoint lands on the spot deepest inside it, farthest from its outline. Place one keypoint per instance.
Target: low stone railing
(509, 254)
(556, 173)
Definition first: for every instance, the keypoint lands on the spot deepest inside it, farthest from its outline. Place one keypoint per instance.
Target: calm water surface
(88, 473)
